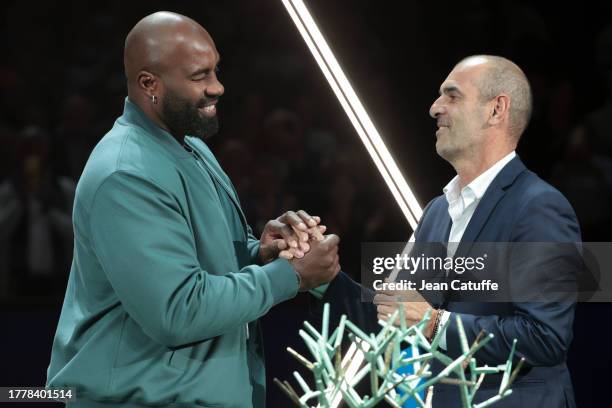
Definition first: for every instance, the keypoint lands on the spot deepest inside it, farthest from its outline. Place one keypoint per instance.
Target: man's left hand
(414, 305)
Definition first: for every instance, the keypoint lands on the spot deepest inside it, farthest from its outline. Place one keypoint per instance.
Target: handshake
(298, 237)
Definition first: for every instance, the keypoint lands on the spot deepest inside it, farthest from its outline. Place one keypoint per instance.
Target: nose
(216, 88)
(436, 108)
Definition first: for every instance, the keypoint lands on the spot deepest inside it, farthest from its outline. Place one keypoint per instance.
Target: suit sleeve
(345, 297)
(543, 329)
(148, 254)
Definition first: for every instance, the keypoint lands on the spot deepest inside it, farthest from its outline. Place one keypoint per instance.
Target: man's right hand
(288, 234)
(320, 265)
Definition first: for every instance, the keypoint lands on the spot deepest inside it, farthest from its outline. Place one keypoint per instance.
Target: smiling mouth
(209, 110)
(440, 128)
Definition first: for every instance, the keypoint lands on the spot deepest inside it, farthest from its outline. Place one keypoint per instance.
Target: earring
(154, 99)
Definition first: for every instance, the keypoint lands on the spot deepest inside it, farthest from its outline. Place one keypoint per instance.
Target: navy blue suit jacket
(517, 207)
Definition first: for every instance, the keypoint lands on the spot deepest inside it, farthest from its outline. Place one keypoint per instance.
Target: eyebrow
(450, 89)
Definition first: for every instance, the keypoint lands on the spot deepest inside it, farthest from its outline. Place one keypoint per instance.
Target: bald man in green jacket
(167, 281)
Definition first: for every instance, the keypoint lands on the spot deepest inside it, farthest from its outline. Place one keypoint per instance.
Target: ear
(499, 109)
(148, 82)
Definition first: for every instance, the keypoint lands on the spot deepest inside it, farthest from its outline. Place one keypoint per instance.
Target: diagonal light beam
(355, 111)
(365, 129)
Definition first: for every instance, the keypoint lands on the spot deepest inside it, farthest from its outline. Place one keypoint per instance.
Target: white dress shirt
(462, 203)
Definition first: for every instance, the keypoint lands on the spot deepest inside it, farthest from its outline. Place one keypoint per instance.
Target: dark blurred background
(284, 139)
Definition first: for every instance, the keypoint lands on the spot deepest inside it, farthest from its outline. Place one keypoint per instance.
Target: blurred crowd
(284, 141)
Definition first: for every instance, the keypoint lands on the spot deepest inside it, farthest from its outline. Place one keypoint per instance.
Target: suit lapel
(446, 227)
(436, 222)
(495, 192)
(481, 215)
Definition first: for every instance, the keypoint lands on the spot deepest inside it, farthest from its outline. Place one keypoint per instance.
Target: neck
(146, 106)
(469, 169)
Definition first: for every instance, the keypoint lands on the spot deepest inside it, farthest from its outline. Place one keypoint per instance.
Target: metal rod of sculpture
(382, 358)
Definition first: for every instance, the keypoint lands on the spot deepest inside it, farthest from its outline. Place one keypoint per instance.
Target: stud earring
(154, 99)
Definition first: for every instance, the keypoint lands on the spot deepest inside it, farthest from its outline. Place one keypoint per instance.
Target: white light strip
(355, 111)
(365, 129)
(351, 371)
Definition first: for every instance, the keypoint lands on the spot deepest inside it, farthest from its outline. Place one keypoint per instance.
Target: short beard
(183, 119)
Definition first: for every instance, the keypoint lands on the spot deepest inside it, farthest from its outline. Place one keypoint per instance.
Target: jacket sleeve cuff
(253, 248)
(284, 279)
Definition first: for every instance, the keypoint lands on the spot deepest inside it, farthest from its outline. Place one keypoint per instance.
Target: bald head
(171, 68)
(502, 76)
(156, 40)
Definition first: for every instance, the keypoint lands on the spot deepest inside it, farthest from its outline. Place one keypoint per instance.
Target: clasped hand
(298, 237)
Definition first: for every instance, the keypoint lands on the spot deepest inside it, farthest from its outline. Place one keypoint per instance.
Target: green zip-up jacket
(166, 284)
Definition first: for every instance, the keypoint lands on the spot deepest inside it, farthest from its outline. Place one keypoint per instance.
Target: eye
(205, 74)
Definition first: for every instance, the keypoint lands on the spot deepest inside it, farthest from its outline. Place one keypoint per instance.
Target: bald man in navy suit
(484, 106)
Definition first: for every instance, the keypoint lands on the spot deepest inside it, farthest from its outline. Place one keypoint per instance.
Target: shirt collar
(477, 188)
(452, 189)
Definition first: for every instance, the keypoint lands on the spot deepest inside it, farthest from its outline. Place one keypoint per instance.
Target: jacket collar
(133, 115)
